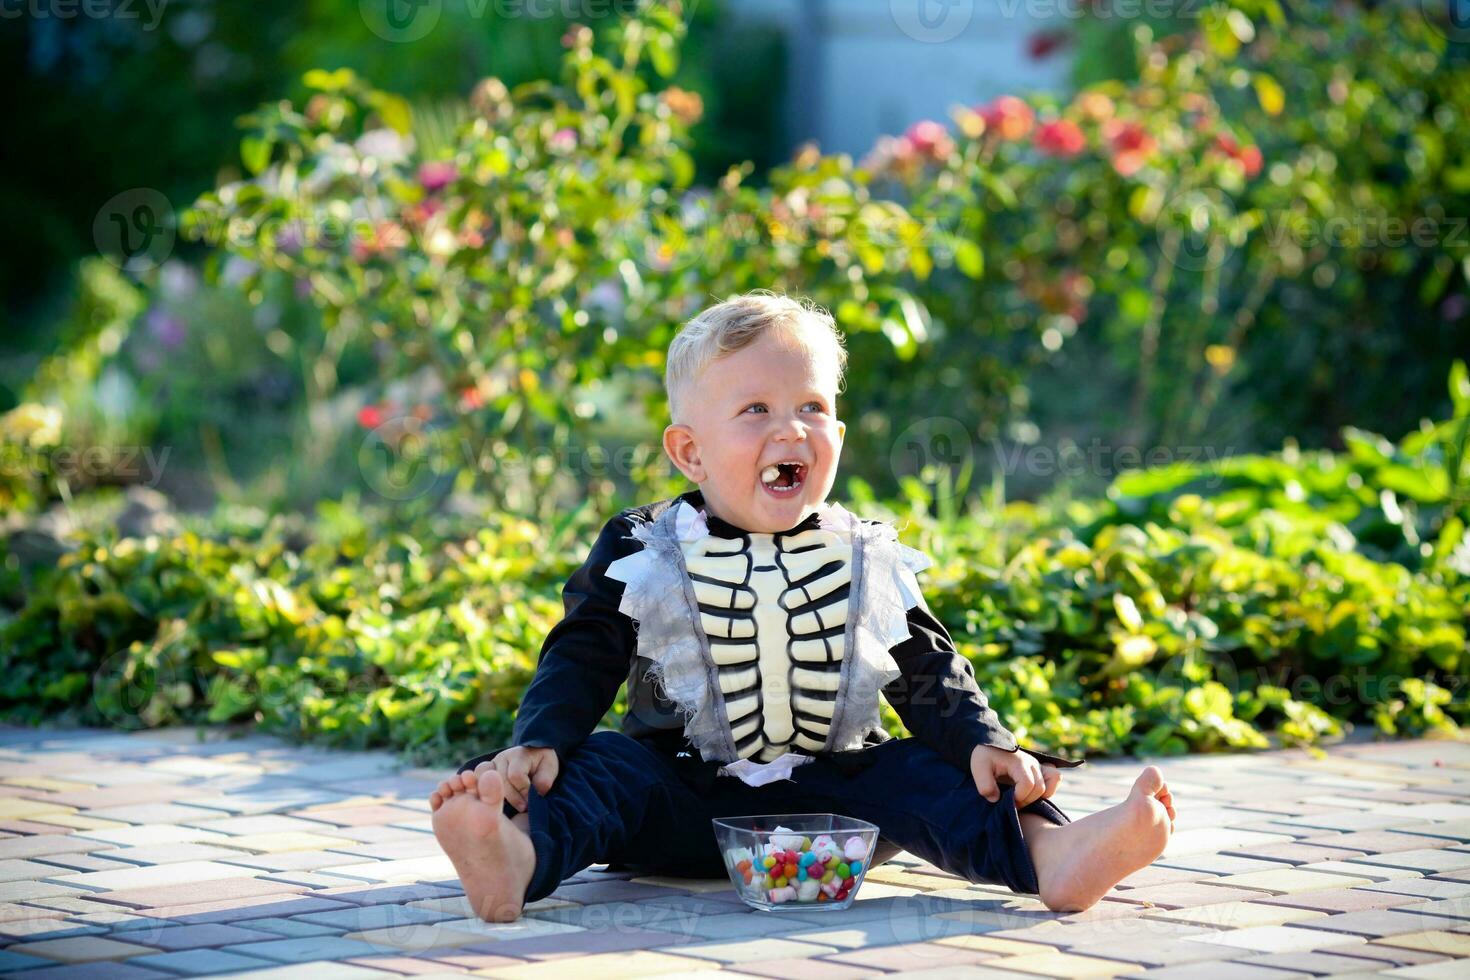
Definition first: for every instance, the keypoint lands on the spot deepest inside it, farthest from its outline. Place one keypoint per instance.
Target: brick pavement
(179, 853)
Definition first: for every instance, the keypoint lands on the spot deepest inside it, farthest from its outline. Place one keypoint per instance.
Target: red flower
(1043, 43)
(437, 175)
(381, 239)
(930, 139)
(470, 398)
(1131, 145)
(1060, 138)
(370, 416)
(1008, 117)
(1249, 157)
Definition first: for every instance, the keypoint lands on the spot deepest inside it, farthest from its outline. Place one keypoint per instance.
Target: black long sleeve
(586, 656)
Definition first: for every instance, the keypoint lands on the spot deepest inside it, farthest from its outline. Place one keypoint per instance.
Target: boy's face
(771, 403)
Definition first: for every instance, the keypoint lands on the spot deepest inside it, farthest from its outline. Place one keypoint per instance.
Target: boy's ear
(683, 451)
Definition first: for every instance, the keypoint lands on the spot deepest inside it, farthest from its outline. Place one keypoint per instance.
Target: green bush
(1194, 609)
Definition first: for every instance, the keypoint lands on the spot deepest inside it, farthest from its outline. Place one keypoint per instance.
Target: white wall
(875, 66)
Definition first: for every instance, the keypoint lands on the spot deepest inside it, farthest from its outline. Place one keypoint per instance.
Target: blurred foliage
(133, 99)
(1258, 235)
(554, 244)
(1194, 609)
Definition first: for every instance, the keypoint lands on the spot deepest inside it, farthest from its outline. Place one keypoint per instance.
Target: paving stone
(1377, 872)
(81, 949)
(741, 952)
(1237, 915)
(1426, 861)
(184, 872)
(1341, 900)
(1317, 964)
(612, 891)
(1156, 952)
(15, 962)
(304, 949)
(81, 862)
(371, 894)
(1222, 864)
(37, 927)
(197, 962)
(1213, 971)
(289, 928)
(1383, 956)
(1060, 965)
(191, 892)
(99, 970)
(415, 939)
(271, 823)
(1273, 939)
(27, 870)
(356, 816)
(1157, 874)
(1425, 887)
(808, 969)
(142, 836)
(294, 860)
(27, 891)
(30, 847)
(235, 909)
(587, 942)
(150, 813)
(604, 966)
(1186, 894)
(1298, 853)
(402, 965)
(288, 840)
(1374, 923)
(1291, 881)
(171, 853)
(361, 918)
(212, 934)
(1433, 941)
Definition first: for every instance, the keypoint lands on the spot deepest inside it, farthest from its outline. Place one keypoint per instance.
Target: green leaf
(969, 259)
(255, 153)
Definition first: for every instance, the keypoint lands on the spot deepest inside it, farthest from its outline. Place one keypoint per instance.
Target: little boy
(755, 625)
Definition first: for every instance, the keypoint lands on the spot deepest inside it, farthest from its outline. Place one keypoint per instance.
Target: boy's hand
(1033, 780)
(522, 767)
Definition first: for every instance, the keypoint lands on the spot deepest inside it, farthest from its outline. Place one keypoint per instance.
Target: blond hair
(739, 322)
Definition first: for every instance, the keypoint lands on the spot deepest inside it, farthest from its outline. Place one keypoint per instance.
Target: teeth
(770, 473)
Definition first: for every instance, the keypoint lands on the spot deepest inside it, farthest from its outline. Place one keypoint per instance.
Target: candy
(798, 868)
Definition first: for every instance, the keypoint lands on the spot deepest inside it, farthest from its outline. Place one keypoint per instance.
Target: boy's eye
(758, 405)
(817, 406)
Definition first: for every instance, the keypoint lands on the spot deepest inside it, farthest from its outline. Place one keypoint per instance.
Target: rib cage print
(774, 610)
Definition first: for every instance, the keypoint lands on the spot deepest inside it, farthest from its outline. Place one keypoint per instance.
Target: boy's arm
(938, 700)
(586, 656)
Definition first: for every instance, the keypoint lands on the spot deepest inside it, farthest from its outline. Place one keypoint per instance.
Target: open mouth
(783, 479)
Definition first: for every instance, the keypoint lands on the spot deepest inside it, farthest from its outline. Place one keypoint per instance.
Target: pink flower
(1060, 138)
(1008, 117)
(1131, 144)
(564, 140)
(437, 175)
(1249, 157)
(930, 139)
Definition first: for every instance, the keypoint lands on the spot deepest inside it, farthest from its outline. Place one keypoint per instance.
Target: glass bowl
(796, 861)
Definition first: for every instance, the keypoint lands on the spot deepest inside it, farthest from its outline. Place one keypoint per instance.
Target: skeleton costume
(754, 662)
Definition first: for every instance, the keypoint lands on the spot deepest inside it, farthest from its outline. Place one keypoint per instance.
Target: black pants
(619, 801)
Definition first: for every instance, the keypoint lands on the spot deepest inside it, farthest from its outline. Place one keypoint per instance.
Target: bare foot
(452, 786)
(1076, 864)
(492, 854)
